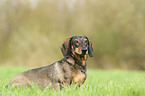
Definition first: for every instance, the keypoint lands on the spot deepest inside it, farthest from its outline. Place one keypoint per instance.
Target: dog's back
(44, 76)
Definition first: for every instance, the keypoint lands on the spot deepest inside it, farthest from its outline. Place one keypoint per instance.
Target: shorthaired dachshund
(71, 69)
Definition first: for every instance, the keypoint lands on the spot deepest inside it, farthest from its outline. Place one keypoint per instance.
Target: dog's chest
(78, 76)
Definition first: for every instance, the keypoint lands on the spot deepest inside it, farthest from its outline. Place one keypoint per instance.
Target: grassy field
(98, 83)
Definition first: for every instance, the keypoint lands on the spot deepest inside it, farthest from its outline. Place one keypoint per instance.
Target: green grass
(98, 83)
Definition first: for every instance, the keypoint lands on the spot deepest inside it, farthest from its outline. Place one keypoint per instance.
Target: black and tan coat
(71, 69)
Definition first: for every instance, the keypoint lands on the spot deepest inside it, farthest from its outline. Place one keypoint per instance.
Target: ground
(98, 83)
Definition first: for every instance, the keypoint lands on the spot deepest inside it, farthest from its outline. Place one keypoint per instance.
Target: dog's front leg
(57, 86)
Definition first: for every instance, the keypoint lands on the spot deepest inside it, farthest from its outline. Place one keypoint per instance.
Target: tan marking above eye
(85, 41)
(75, 39)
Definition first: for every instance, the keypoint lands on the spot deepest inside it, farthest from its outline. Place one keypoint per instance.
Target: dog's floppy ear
(66, 48)
(90, 48)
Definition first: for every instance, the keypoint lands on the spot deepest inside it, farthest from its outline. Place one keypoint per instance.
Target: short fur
(71, 69)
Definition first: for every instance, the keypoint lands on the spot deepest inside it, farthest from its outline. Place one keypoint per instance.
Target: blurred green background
(32, 31)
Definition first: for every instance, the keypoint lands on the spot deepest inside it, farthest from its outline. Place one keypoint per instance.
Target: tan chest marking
(78, 77)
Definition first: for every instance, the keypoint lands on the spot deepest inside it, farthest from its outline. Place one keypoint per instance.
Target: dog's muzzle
(84, 51)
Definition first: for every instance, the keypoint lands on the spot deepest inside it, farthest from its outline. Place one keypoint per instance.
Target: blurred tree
(31, 32)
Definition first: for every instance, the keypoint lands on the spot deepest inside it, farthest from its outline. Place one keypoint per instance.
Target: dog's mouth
(84, 52)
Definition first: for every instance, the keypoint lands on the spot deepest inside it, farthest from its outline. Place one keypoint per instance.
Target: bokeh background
(32, 31)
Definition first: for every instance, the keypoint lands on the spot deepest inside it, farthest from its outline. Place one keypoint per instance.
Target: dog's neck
(77, 61)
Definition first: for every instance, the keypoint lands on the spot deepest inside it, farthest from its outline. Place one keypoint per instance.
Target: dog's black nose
(84, 50)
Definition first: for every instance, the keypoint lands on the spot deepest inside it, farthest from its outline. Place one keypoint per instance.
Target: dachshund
(71, 69)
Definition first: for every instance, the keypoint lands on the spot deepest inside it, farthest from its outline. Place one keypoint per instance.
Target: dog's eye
(86, 42)
(76, 43)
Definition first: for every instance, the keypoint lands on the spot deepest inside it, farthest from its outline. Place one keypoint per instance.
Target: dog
(71, 69)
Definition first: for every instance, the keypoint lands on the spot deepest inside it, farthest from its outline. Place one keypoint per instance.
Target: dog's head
(79, 45)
